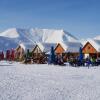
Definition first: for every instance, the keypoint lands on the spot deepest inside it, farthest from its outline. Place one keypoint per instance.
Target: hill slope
(12, 37)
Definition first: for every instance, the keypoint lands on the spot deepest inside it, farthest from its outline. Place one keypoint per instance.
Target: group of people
(57, 60)
(90, 61)
(52, 59)
(10, 55)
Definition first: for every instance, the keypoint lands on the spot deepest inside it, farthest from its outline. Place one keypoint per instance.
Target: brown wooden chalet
(19, 53)
(69, 50)
(59, 49)
(90, 50)
(21, 50)
(38, 55)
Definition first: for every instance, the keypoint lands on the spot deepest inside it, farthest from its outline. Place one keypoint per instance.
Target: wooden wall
(88, 48)
(59, 49)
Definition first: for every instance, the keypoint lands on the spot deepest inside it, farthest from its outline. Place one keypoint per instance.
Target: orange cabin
(88, 49)
(59, 49)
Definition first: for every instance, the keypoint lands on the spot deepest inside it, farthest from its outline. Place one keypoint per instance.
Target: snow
(46, 47)
(41, 46)
(10, 33)
(97, 37)
(71, 46)
(33, 36)
(48, 82)
(23, 46)
(27, 46)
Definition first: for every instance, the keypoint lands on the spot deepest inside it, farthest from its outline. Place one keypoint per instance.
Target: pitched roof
(26, 46)
(46, 47)
(68, 47)
(94, 43)
(88, 43)
(71, 46)
(74, 46)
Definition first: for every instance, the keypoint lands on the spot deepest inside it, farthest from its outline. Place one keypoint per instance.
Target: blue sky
(79, 17)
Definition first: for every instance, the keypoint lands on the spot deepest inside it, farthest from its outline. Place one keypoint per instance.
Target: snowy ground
(48, 82)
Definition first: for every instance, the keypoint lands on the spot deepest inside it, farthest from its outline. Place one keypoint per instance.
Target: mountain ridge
(33, 36)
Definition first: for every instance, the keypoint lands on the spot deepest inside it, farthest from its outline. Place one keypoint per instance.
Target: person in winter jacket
(88, 62)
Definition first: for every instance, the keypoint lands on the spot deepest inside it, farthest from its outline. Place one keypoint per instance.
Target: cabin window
(89, 47)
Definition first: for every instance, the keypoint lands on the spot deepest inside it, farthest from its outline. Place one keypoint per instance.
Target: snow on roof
(46, 47)
(64, 46)
(73, 46)
(40, 45)
(96, 44)
(22, 46)
(26, 46)
(68, 47)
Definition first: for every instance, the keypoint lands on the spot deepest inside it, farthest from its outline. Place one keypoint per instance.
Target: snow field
(48, 82)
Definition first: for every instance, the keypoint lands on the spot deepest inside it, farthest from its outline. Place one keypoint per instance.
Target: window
(89, 47)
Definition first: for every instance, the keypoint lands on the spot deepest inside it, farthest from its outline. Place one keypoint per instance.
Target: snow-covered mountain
(97, 37)
(12, 37)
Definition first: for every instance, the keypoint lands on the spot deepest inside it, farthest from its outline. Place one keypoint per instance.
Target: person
(8, 55)
(88, 62)
(12, 54)
(93, 61)
(2, 56)
(60, 60)
(56, 59)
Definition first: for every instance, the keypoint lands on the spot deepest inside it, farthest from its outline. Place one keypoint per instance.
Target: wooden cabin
(42, 51)
(68, 50)
(89, 50)
(19, 53)
(38, 55)
(21, 50)
(59, 49)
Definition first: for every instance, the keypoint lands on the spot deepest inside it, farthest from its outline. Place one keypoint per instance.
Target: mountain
(14, 36)
(7, 43)
(10, 33)
(97, 37)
